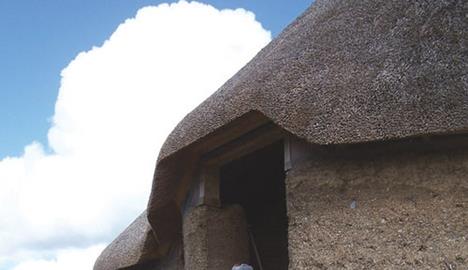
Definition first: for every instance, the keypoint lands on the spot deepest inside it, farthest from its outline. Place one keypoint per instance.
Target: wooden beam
(250, 142)
(230, 132)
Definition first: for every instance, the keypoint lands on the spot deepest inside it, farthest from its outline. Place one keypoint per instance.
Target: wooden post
(295, 151)
(209, 186)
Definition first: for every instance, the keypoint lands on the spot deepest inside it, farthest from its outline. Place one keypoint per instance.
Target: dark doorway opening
(256, 182)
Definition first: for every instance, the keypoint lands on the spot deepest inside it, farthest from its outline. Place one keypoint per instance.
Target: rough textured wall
(215, 238)
(410, 209)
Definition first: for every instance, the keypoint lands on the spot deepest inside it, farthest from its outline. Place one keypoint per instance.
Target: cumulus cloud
(116, 104)
(70, 258)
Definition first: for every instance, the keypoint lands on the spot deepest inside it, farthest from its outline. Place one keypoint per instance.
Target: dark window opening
(256, 182)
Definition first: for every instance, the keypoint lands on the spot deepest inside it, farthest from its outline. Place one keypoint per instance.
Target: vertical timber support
(209, 186)
(295, 151)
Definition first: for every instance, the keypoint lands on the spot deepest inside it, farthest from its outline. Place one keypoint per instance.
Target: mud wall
(373, 207)
(215, 238)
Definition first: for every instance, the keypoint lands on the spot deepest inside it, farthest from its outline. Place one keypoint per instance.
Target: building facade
(342, 145)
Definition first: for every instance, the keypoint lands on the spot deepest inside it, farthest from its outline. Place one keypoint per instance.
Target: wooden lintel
(250, 142)
(231, 131)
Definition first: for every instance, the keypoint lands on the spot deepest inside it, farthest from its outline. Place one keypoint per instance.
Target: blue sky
(39, 38)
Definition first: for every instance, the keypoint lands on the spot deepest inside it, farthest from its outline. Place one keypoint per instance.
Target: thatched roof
(134, 245)
(350, 71)
(346, 71)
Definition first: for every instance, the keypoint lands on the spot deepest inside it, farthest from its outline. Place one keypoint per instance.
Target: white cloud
(116, 105)
(69, 259)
